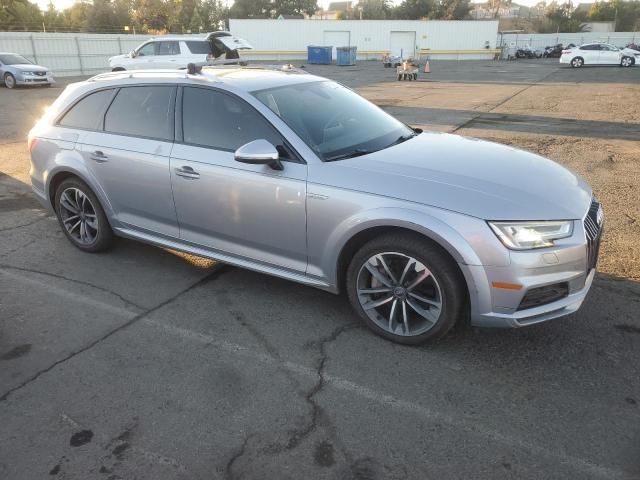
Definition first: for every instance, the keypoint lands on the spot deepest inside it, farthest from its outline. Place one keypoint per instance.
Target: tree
(196, 21)
(294, 7)
(453, 9)
(250, 9)
(625, 14)
(375, 9)
(153, 15)
(415, 9)
(496, 5)
(20, 15)
(564, 18)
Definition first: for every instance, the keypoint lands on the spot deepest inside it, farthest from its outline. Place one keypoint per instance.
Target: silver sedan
(296, 176)
(17, 70)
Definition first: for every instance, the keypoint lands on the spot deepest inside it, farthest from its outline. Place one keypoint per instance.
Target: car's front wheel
(577, 62)
(81, 216)
(405, 288)
(626, 62)
(9, 80)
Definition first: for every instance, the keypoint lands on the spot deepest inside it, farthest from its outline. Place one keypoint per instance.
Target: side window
(147, 50)
(169, 48)
(198, 47)
(142, 111)
(88, 112)
(222, 121)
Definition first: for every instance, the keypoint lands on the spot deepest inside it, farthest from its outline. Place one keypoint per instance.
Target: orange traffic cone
(427, 69)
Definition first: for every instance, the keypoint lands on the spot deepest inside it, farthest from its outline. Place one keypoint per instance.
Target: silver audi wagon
(297, 176)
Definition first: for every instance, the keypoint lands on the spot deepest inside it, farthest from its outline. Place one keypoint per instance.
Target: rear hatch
(223, 42)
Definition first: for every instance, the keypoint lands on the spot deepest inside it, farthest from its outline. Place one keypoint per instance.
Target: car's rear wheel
(405, 288)
(9, 80)
(577, 62)
(117, 69)
(81, 216)
(626, 62)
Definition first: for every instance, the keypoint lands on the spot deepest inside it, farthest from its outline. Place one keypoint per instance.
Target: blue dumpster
(319, 55)
(346, 56)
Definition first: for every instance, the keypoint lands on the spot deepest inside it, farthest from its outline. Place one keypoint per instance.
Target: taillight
(31, 142)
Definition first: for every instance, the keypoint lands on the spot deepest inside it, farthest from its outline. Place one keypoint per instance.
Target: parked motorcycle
(528, 52)
(554, 51)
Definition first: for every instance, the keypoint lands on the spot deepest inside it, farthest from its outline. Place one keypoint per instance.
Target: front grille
(40, 74)
(542, 295)
(593, 224)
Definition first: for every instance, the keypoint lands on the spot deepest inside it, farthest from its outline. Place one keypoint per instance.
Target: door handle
(98, 157)
(187, 172)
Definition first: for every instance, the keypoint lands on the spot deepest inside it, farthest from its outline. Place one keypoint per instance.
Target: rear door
(128, 154)
(249, 211)
(609, 55)
(168, 54)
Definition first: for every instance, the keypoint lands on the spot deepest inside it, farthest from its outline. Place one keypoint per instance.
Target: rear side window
(88, 112)
(590, 47)
(169, 48)
(199, 47)
(221, 121)
(143, 112)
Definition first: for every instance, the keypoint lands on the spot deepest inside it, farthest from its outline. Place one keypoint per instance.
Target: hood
(469, 176)
(117, 57)
(28, 67)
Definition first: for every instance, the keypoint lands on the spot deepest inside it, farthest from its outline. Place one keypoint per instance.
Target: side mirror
(132, 54)
(259, 152)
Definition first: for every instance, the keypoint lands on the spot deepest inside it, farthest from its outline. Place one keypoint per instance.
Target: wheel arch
(57, 176)
(432, 230)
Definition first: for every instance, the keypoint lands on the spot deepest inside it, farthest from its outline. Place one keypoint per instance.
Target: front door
(130, 158)
(145, 57)
(251, 212)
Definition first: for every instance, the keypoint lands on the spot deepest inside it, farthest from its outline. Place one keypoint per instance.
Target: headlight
(528, 235)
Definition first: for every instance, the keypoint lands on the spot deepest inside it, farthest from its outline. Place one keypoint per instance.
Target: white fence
(69, 53)
(541, 40)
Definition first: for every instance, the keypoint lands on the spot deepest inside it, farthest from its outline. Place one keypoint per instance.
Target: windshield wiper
(353, 153)
(402, 138)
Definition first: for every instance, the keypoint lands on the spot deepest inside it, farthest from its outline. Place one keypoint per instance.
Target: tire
(627, 62)
(98, 235)
(415, 76)
(118, 69)
(577, 62)
(9, 80)
(395, 299)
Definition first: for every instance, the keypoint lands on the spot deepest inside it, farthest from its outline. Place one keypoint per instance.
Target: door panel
(403, 44)
(590, 55)
(250, 211)
(134, 174)
(609, 57)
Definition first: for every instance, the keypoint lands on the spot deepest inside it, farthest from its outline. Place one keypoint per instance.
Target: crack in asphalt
(316, 411)
(217, 270)
(15, 227)
(228, 471)
(73, 280)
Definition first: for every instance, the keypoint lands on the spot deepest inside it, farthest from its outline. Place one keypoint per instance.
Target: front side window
(145, 111)
(222, 121)
(88, 112)
(169, 48)
(334, 121)
(147, 50)
(13, 59)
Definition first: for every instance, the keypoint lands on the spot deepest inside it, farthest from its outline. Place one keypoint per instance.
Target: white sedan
(599, 54)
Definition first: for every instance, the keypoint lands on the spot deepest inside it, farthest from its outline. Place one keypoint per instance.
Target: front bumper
(537, 285)
(34, 80)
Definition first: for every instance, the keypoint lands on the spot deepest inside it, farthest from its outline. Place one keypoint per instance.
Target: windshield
(12, 59)
(334, 121)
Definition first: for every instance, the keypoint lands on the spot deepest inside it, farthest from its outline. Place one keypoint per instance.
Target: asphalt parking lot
(144, 363)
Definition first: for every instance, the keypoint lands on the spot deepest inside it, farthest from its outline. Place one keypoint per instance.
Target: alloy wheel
(9, 81)
(626, 62)
(399, 293)
(78, 216)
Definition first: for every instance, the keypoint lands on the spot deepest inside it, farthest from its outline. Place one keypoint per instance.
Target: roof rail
(134, 73)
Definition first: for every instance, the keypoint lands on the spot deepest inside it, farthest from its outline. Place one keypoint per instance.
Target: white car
(598, 54)
(178, 52)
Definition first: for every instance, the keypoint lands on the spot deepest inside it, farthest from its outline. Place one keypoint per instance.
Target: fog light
(538, 296)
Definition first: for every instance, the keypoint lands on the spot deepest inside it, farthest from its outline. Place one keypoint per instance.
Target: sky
(62, 4)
